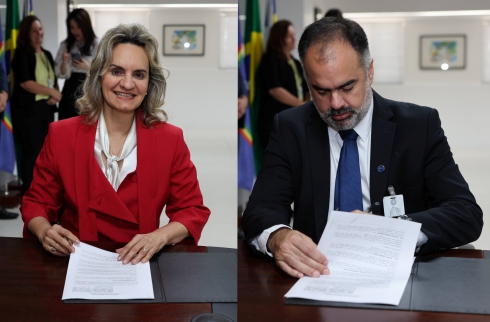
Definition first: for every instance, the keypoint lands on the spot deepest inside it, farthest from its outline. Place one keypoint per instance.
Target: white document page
(370, 260)
(96, 274)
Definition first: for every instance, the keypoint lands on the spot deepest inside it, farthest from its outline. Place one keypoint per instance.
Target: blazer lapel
(319, 153)
(383, 134)
(104, 198)
(147, 172)
(83, 168)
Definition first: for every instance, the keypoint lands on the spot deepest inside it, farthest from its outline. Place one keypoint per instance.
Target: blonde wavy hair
(92, 101)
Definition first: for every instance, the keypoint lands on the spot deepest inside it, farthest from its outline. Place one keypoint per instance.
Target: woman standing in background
(282, 84)
(73, 59)
(34, 95)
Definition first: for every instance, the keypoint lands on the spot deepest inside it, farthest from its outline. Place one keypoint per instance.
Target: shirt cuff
(260, 242)
(422, 239)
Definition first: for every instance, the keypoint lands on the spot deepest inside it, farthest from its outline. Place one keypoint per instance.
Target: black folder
(439, 284)
(189, 277)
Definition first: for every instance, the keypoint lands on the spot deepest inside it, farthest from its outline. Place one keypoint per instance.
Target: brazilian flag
(253, 55)
(11, 32)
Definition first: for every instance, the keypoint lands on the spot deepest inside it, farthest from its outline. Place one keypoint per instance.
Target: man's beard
(356, 115)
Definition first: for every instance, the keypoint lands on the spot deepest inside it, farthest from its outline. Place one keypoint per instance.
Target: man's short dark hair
(328, 30)
(334, 13)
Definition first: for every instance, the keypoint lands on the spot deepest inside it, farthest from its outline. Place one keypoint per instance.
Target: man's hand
(296, 254)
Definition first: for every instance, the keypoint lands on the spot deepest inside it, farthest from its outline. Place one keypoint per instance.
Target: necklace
(118, 153)
(122, 146)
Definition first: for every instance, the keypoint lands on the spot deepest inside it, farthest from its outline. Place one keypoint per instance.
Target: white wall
(199, 94)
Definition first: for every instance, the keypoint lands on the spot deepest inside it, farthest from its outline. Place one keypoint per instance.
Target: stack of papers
(94, 273)
(370, 259)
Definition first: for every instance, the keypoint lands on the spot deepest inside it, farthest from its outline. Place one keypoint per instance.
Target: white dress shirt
(363, 130)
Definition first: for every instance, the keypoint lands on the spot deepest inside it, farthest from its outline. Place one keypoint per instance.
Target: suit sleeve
(272, 196)
(185, 204)
(454, 218)
(43, 198)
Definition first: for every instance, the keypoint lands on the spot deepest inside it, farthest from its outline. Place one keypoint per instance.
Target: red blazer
(67, 167)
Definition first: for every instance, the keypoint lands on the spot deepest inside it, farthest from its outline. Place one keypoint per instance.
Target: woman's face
(76, 31)
(36, 34)
(125, 83)
(290, 39)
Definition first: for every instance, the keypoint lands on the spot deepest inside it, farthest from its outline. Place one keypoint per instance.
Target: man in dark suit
(398, 144)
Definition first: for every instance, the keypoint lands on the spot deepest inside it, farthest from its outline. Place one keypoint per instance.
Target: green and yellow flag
(11, 32)
(253, 55)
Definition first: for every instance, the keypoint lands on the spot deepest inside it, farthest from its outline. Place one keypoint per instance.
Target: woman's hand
(65, 57)
(51, 101)
(141, 248)
(80, 64)
(58, 240)
(55, 94)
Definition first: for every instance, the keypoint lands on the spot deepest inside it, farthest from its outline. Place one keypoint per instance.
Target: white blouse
(129, 152)
(69, 68)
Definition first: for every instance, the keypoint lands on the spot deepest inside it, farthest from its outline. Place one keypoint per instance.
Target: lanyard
(46, 64)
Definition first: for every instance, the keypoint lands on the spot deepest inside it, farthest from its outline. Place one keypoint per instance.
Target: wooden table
(32, 281)
(262, 285)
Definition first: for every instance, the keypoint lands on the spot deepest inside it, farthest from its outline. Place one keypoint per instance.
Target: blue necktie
(348, 191)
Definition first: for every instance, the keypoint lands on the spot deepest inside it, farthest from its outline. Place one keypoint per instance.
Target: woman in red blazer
(118, 164)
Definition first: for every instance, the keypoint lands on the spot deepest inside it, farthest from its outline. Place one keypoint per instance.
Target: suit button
(134, 178)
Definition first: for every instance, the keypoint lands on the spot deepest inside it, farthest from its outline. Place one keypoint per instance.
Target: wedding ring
(145, 250)
(53, 249)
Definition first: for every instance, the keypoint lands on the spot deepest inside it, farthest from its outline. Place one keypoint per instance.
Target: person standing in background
(35, 93)
(282, 84)
(73, 59)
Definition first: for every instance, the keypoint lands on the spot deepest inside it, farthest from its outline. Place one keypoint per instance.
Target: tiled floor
(213, 151)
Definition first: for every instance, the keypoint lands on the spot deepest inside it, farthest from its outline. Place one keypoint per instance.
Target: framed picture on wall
(443, 52)
(183, 40)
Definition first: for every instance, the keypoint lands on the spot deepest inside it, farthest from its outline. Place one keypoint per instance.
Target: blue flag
(7, 150)
(28, 9)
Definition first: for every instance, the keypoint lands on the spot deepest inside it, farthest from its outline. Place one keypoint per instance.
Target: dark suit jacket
(66, 166)
(407, 139)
